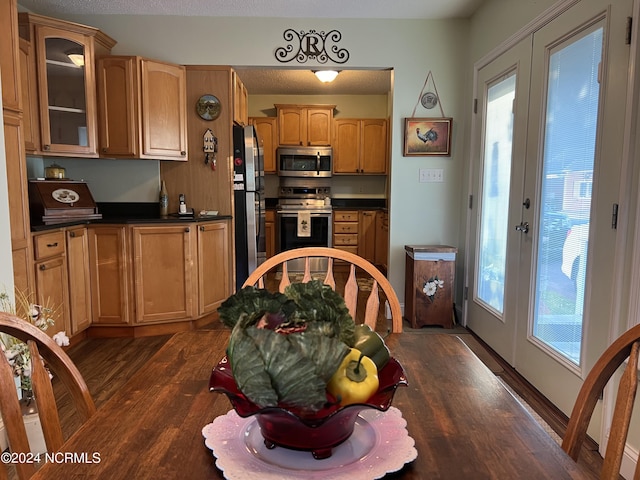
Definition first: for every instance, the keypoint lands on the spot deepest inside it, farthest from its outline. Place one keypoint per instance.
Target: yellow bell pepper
(355, 380)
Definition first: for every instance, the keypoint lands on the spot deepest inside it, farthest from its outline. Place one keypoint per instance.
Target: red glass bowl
(319, 432)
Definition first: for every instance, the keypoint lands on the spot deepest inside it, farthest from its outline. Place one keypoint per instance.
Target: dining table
(464, 422)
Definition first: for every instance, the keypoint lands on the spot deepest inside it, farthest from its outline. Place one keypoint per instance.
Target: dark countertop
(128, 213)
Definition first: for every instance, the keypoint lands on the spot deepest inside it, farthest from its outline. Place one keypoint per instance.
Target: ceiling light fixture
(326, 76)
(77, 59)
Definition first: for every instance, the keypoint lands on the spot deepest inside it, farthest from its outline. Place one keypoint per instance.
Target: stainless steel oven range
(304, 217)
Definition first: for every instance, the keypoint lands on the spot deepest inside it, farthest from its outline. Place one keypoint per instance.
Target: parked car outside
(574, 251)
(555, 227)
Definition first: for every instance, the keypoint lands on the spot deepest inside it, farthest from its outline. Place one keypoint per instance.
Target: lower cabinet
(79, 279)
(270, 232)
(111, 296)
(367, 235)
(164, 272)
(214, 285)
(382, 240)
(158, 273)
(51, 279)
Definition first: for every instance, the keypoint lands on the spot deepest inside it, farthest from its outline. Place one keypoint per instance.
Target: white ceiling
(274, 81)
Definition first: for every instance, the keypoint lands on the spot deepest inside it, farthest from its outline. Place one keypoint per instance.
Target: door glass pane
(66, 91)
(496, 182)
(568, 160)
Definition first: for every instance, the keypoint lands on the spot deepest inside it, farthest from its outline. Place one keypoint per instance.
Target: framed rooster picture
(427, 137)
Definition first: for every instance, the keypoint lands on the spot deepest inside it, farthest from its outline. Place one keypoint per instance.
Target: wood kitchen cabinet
(15, 155)
(30, 116)
(133, 123)
(240, 100)
(267, 128)
(77, 239)
(306, 125)
(65, 89)
(51, 279)
(367, 234)
(111, 287)
(345, 230)
(214, 267)
(360, 146)
(16, 170)
(382, 240)
(9, 48)
(270, 232)
(164, 272)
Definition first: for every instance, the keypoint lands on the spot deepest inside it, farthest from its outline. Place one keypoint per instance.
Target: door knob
(523, 227)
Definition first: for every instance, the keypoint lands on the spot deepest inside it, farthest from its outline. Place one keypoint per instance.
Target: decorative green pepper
(372, 345)
(355, 380)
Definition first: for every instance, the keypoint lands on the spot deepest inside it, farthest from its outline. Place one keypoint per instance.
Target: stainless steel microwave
(310, 162)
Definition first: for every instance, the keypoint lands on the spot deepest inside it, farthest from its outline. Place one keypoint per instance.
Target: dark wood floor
(107, 364)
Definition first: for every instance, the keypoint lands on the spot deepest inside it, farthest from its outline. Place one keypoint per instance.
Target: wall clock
(208, 107)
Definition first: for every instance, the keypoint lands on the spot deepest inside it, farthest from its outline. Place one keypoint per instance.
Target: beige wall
(420, 213)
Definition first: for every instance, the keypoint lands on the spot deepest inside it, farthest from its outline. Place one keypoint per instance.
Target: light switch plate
(431, 175)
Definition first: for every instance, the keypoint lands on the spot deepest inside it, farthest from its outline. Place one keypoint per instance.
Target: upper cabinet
(360, 146)
(11, 96)
(306, 125)
(267, 128)
(64, 66)
(240, 100)
(142, 108)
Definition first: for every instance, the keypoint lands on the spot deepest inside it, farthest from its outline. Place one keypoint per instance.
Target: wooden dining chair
(336, 258)
(43, 351)
(625, 348)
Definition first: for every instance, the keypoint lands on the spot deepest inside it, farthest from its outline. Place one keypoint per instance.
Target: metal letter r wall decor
(312, 45)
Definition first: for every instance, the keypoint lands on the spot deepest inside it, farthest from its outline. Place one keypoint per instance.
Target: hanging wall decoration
(428, 136)
(312, 45)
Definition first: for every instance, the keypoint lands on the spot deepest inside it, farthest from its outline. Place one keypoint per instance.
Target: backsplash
(109, 180)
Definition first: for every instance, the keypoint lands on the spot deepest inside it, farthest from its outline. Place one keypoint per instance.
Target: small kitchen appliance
(308, 162)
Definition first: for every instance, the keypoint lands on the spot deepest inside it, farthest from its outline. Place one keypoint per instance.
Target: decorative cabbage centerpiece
(299, 362)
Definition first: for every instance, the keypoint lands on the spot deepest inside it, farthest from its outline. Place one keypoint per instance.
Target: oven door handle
(318, 163)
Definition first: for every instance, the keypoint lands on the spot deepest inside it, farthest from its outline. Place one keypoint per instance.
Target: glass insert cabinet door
(67, 100)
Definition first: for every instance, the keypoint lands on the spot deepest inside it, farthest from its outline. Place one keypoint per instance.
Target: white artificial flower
(440, 283)
(429, 289)
(61, 339)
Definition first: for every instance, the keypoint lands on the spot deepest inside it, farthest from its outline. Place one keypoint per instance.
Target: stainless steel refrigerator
(248, 186)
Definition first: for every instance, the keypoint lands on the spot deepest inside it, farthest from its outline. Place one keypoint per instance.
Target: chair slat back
(350, 295)
(12, 419)
(624, 348)
(43, 350)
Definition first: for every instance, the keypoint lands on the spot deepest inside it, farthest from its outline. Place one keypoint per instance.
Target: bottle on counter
(164, 200)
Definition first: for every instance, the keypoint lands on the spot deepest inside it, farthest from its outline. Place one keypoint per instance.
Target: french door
(549, 134)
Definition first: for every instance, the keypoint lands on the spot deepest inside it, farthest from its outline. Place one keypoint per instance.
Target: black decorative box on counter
(61, 201)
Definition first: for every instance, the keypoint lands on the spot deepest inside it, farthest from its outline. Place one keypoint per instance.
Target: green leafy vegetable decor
(284, 348)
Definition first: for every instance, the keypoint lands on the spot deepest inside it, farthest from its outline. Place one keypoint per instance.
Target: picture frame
(427, 137)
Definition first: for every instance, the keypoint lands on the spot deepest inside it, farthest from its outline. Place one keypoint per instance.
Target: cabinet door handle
(51, 245)
(46, 147)
(183, 153)
(187, 230)
(43, 267)
(201, 228)
(72, 234)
